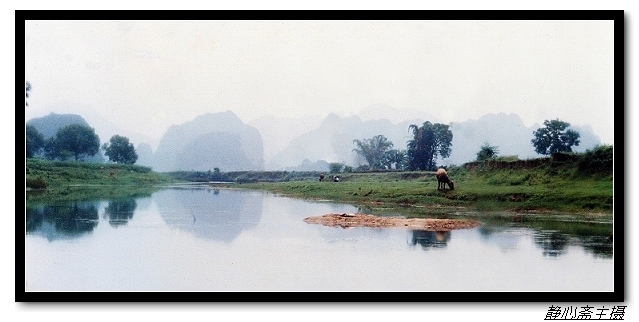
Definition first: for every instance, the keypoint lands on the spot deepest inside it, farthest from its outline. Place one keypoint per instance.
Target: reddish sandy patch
(362, 220)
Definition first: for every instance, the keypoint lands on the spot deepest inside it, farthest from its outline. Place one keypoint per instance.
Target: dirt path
(362, 220)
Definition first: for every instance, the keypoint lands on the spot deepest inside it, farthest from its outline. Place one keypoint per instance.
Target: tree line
(433, 140)
(77, 141)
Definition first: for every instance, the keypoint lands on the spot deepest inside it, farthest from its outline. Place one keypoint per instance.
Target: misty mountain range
(222, 140)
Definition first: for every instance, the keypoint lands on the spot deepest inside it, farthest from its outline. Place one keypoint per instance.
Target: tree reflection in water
(554, 244)
(120, 211)
(431, 239)
(63, 220)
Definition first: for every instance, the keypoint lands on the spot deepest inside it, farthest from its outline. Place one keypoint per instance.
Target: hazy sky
(147, 75)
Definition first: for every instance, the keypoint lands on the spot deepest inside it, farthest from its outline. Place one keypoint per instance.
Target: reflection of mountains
(210, 213)
(62, 220)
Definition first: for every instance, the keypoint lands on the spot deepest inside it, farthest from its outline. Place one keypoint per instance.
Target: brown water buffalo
(443, 179)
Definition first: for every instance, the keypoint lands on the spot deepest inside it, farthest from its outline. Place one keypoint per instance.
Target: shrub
(36, 183)
(596, 160)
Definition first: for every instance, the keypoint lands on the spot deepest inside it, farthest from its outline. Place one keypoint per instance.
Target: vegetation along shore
(576, 185)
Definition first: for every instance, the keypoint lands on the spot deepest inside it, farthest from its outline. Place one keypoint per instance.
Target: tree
(27, 90)
(487, 152)
(429, 141)
(34, 141)
(372, 150)
(75, 140)
(119, 150)
(50, 149)
(395, 159)
(217, 174)
(335, 167)
(555, 137)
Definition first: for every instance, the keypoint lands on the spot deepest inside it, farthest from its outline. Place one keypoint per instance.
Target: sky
(147, 75)
(539, 70)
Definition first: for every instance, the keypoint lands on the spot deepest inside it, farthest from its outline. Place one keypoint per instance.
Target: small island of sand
(346, 220)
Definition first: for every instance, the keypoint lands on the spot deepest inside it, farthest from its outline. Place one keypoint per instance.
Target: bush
(596, 160)
(36, 183)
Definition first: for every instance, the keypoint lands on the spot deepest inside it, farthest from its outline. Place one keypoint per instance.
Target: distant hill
(278, 132)
(508, 133)
(48, 125)
(222, 140)
(306, 165)
(213, 140)
(145, 155)
(332, 140)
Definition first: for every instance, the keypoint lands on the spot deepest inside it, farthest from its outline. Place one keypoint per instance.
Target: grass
(58, 174)
(52, 180)
(546, 189)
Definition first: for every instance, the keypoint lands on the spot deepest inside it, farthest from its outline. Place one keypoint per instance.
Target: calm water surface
(205, 239)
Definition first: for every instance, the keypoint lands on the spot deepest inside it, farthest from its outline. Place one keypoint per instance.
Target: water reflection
(120, 211)
(63, 220)
(223, 214)
(430, 239)
(266, 246)
(554, 243)
(210, 213)
(504, 237)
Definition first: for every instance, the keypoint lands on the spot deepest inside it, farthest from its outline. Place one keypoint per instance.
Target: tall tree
(373, 149)
(119, 150)
(555, 137)
(429, 141)
(34, 141)
(75, 140)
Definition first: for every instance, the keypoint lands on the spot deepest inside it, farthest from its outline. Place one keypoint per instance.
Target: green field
(503, 190)
(87, 180)
(544, 187)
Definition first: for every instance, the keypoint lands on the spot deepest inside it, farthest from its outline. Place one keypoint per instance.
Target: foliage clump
(487, 152)
(555, 137)
(429, 141)
(596, 160)
(120, 150)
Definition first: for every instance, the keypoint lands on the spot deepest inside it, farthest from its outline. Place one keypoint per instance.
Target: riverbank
(554, 186)
(540, 188)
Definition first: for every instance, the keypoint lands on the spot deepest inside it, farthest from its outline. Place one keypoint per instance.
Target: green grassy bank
(55, 174)
(544, 187)
(85, 180)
